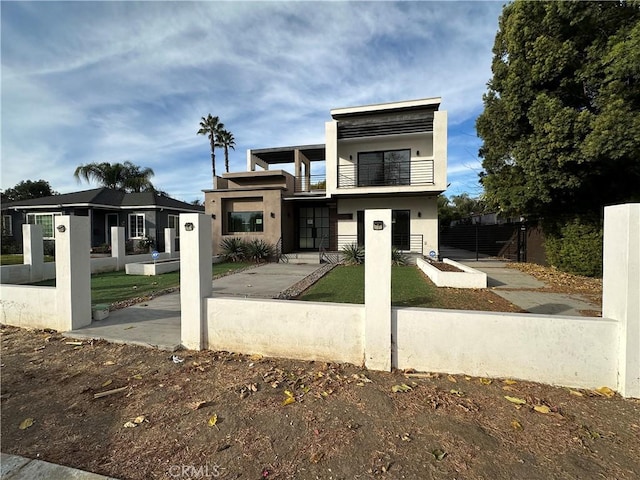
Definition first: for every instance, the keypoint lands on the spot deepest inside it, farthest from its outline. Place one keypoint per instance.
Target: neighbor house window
(174, 222)
(45, 220)
(390, 167)
(136, 225)
(245, 222)
(7, 227)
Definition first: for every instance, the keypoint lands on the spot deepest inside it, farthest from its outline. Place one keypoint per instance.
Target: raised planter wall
(468, 278)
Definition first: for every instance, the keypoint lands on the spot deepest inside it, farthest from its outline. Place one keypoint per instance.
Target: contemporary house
(144, 214)
(391, 155)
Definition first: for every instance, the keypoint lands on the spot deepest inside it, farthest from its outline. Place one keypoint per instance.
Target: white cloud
(116, 81)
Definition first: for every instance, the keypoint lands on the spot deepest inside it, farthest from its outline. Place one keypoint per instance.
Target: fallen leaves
(605, 392)
(516, 425)
(198, 404)
(136, 421)
(402, 388)
(516, 400)
(289, 398)
(213, 420)
(542, 409)
(26, 423)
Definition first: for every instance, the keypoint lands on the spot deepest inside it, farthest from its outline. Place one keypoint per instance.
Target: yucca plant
(233, 249)
(353, 254)
(259, 251)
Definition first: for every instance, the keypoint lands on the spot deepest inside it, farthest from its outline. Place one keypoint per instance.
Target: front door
(313, 230)
(111, 220)
(400, 229)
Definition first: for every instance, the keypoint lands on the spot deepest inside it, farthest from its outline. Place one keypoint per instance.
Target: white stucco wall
(468, 278)
(571, 351)
(28, 306)
(279, 328)
(426, 225)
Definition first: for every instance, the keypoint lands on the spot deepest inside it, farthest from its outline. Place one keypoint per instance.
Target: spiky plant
(259, 251)
(353, 254)
(397, 257)
(233, 249)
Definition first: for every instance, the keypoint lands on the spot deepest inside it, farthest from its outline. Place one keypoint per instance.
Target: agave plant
(397, 257)
(234, 249)
(353, 254)
(259, 251)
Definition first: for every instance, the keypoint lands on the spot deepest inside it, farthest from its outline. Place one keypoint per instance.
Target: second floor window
(389, 167)
(238, 222)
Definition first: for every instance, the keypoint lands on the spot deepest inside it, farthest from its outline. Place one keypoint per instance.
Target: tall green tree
(27, 189)
(226, 140)
(119, 176)
(211, 127)
(561, 119)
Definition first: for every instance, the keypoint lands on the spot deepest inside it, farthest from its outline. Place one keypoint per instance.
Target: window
(245, 222)
(391, 167)
(174, 222)
(136, 225)
(44, 219)
(7, 227)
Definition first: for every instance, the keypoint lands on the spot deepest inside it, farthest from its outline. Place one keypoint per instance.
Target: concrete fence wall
(572, 351)
(34, 268)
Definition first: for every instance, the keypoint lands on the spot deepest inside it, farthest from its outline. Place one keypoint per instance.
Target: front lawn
(18, 259)
(111, 287)
(409, 288)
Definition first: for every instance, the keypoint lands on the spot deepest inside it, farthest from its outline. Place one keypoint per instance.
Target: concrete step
(303, 257)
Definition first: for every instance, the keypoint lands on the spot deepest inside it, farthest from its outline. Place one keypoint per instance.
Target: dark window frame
(387, 171)
(253, 224)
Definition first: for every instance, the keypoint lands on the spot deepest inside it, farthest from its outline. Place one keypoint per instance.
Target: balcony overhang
(278, 155)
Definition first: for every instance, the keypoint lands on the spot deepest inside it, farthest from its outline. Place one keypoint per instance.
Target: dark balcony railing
(311, 184)
(405, 243)
(414, 172)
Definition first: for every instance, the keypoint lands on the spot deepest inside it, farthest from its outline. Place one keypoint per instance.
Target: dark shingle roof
(106, 197)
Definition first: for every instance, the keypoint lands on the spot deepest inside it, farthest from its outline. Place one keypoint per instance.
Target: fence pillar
(195, 278)
(621, 289)
(33, 250)
(73, 272)
(118, 248)
(377, 289)
(170, 241)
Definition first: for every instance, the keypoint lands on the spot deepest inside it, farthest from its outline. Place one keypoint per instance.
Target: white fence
(35, 269)
(572, 351)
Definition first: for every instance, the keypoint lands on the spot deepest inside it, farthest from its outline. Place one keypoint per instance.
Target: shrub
(9, 245)
(259, 251)
(146, 243)
(233, 249)
(49, 247)
(353, 254)
(575, 246)
(397, 257)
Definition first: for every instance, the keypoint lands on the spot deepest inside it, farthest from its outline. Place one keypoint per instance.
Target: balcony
(381, 174)
(310, 183)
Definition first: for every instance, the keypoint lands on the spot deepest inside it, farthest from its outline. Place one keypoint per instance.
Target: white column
(195, 278)
(377, 290)
(331, 156)
(621, 289)
(118, 248)
(33, 250)
(170, 241)
(73, 272)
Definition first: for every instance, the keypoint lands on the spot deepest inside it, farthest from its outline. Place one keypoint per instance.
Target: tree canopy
(212, 128)
(561, 119)
(119, 176)
(28, 189)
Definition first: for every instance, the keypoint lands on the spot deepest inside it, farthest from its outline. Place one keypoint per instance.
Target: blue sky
(113, 81)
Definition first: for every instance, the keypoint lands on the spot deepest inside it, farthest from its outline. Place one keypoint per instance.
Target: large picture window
(238, 222)
(390, 167)
(136, 225)
(45, 220)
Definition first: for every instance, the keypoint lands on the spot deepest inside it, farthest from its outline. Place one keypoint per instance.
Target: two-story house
(391, 155)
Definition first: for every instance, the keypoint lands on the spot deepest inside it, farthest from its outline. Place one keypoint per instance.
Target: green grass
(345, 284)
(18, 259)
(113, 287)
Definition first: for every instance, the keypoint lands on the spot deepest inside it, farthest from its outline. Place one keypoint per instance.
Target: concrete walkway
(13, 467)
(156, 323)
(519, 288)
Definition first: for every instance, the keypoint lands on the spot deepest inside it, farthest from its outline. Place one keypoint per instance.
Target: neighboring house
(144, 214)
(391, 155)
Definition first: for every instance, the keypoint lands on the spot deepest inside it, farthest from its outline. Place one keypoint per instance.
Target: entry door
(314, 226)
(111, 220)
(400, 229)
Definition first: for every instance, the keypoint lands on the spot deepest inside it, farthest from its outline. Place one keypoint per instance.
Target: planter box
(152, 268)
(468, 278)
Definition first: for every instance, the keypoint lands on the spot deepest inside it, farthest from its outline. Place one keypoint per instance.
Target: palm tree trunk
(226, 158)
(213, 166)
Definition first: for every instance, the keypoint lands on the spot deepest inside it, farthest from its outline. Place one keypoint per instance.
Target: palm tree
(119, 176)
(226, 141)
(211, 127)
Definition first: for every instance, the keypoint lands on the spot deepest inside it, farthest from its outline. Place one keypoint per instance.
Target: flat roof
(430, 103)
(315, 153)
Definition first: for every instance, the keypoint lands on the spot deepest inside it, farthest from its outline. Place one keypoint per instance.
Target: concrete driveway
(156, 323)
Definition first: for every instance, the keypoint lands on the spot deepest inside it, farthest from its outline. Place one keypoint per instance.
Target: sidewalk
(13, 467)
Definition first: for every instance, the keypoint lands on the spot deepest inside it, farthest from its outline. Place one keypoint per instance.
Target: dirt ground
(223, 415)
